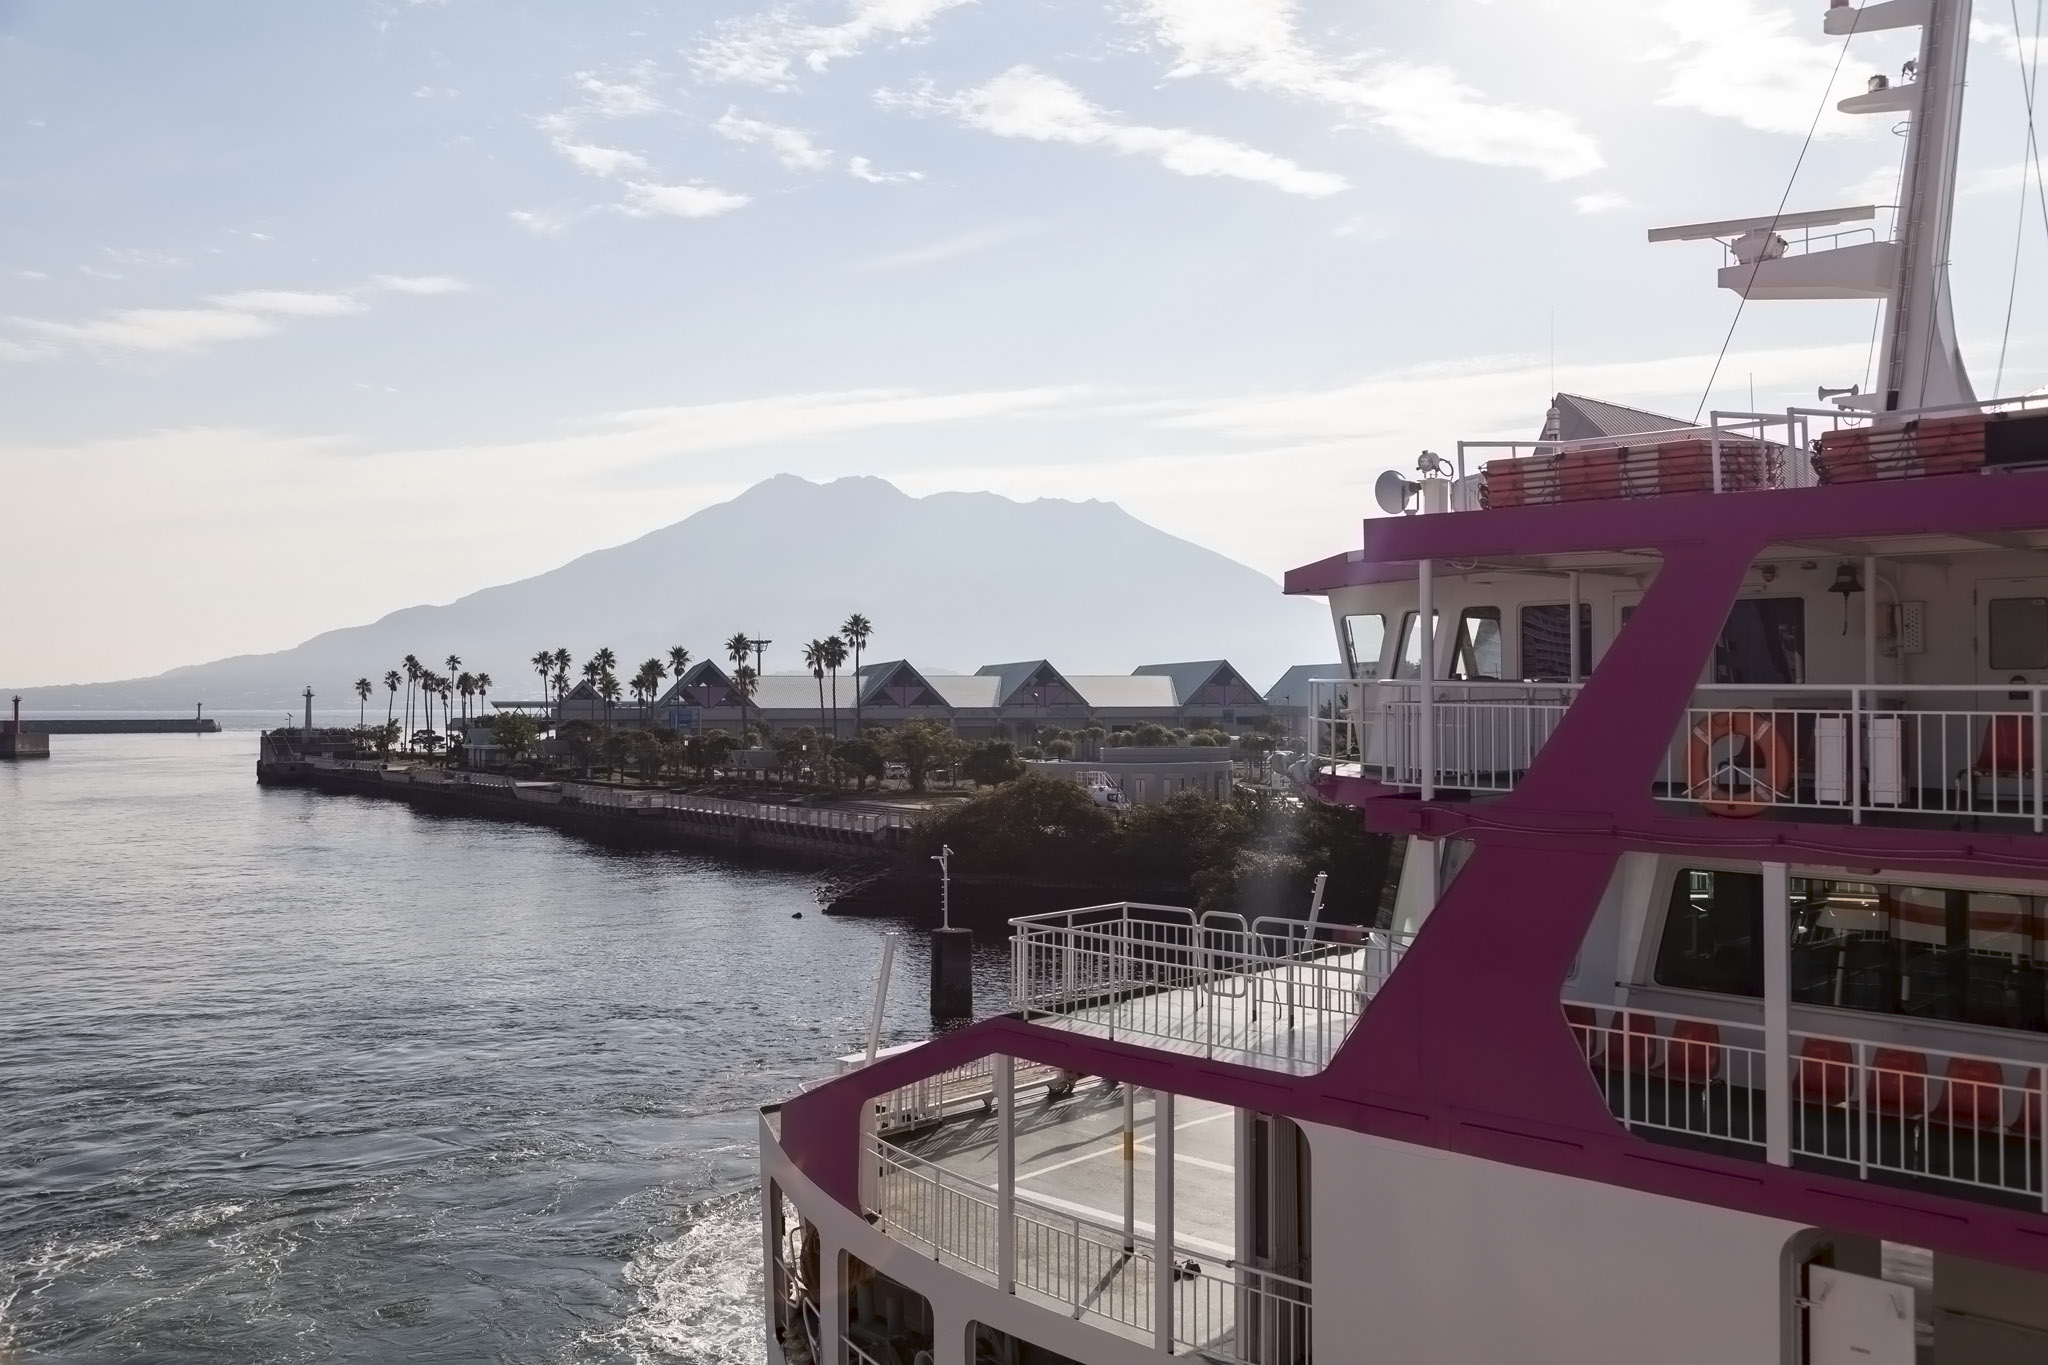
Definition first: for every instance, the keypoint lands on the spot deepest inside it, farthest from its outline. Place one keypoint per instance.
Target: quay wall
(182, 725)
(811, 836)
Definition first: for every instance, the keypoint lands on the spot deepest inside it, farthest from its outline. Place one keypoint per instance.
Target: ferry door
(1855, 1320)
(2011, 647)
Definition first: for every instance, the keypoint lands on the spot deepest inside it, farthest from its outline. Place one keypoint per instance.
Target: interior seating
(1822, 1075)
(1898, 1082)
(1974, 1096)
(1693, 1054)
(1642, 1046)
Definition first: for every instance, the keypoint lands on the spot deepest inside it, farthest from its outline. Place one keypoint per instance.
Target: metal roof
(1578, 418)
(1292, 689)
(1126, 692)
(1188, 678)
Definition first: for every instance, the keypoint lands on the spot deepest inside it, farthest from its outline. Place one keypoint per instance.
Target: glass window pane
(2019, 633)
(1478, 652)
(1410, 662)
(1712, 932)
(1763, 642)
(1365, 638)
(1546, 642)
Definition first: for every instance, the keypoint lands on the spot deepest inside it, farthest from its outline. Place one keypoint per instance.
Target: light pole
(952, 951)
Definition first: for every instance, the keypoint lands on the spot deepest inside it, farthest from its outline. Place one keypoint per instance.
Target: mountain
(952, 581)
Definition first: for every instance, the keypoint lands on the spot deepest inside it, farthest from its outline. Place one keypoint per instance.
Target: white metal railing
(1273, 992)
(969, 1086)
(1235, 1313)
(1953, 1117)
(1745, 450)
(1486, 734)
(1924, 749)
(759, 812)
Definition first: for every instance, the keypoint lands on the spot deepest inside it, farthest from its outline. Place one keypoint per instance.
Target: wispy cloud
(648, 199)
(953, 248)
(1603, 202)
(603, 162)
(1026, 103)
(423, 285)
(1255, 45)
(765, 49)
(1738, 60)
(623, 96)
(793, 147)
(860, 168)
(240, 316)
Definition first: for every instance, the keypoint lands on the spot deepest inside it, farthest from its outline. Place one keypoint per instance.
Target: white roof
(1125, 691)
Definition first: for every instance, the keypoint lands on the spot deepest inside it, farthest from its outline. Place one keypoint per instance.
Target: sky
(313, 311)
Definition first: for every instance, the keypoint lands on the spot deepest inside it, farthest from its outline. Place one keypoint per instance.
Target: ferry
(1709, 1018)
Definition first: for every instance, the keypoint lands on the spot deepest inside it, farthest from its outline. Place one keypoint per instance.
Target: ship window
(2019, 633)
(1944, 953)
(1547, 645)
(1477, 652)
(1712, 933)
(1410, 662)
(1365, 637)
(1763, 642)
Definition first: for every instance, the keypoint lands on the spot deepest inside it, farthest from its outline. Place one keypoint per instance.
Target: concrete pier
(17, 743)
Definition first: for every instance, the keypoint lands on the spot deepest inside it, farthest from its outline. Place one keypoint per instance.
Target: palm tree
(605, 659)
(856, 632)
(364, 687)
(647, 687)
(744, 681)
(814, 659)
(391, 680)
(678, 662)
(608, 689)
(483, 690)
(835, 659)
(739, 649)
(543, 664)
(453, 665)
(414, 670)
(466, 685)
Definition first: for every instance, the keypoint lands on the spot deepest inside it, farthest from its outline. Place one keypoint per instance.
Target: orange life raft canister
(1738, 762)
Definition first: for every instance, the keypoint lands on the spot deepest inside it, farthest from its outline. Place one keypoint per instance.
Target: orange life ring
(1738, 782)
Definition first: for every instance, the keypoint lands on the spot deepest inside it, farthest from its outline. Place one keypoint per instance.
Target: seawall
(183, 725)
(800, 835)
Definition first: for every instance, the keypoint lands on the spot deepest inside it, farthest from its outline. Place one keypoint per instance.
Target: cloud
(1737, 60)
(32, 274)
(762, 49)
(1605, 202)
(1995, 179)
(860, 168)
(423, 285)
(543, 222)
(289, 303)
(1025, 103)
(647, 199)
(953, 248)
(791, 146)
(159, 331)
(603, 162)
(628, 96)
(1253, 45)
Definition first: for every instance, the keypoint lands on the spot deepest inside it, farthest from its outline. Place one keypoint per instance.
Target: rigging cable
(2032, 161)
(1783, 199)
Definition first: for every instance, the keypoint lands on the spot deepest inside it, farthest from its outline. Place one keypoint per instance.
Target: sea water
(294, 1077)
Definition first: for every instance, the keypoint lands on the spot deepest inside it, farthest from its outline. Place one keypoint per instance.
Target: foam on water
(697, 1296)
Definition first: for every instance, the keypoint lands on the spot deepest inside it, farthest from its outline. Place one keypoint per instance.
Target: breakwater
(814, 835)
(127, 725)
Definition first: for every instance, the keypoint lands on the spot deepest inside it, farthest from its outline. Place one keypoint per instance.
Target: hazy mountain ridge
(952, 580)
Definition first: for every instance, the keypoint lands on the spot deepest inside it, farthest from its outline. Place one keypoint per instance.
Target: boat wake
(696, 1297)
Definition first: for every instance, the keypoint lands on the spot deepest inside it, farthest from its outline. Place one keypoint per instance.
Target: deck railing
(761, 812)
(1954, 1118)
(1960, 750)
(1270, 992)
(1485, 734)
(1922, 749)
(1236, 1314)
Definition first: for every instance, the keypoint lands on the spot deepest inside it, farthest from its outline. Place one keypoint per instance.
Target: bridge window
(1477, 652)
(1409, 664)
(2019, 633)
(1547, 645)
(1712, 933)
(1365, 638)
(1763, 642)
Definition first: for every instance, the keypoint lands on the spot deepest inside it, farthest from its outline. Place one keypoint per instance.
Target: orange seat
(2008, 748)
(1693, 1054)
(1898, 1082)
(1586, 1032)
(1975, 1094)
(1642, 1047)
(1824, 1067)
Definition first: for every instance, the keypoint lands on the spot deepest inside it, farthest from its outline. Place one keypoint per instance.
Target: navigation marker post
(952, 952)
